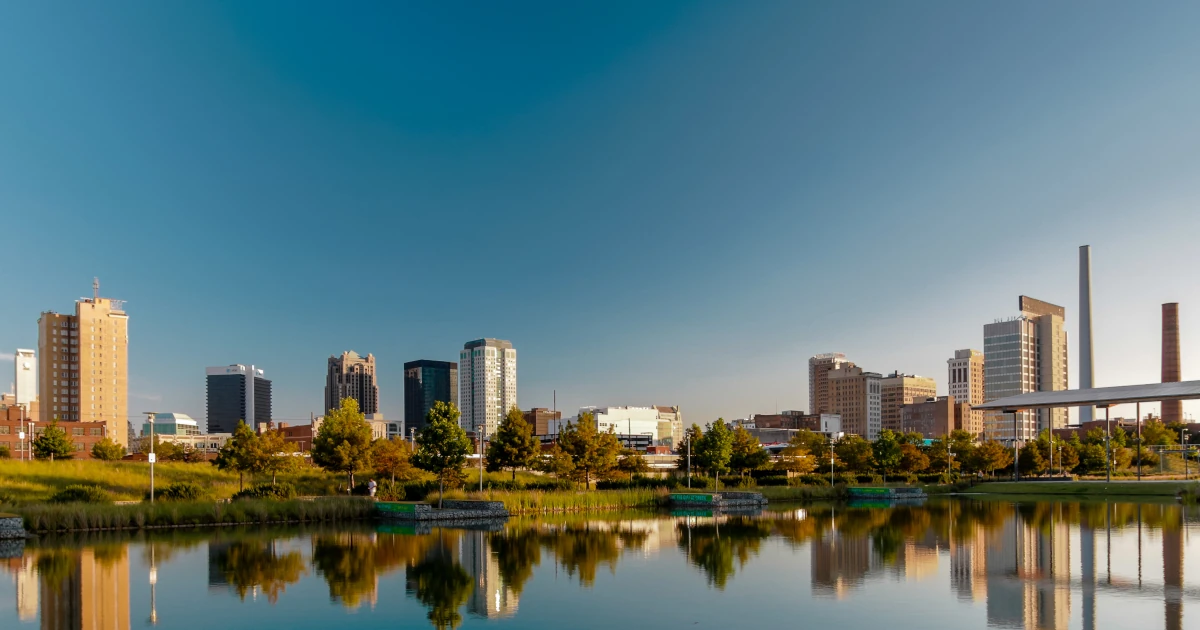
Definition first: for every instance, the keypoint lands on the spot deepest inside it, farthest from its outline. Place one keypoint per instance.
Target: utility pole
(479, 436)
(150, 457)
(691, 436)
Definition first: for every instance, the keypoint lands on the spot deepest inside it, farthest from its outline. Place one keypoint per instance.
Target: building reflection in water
(84, 590)
(490, 596)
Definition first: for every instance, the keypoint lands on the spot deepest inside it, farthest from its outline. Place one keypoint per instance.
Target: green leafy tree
(855, 453)
(593, 452)
(1092, 458)
(716, 449)
(5, 453)
(343, 443)
(915, 438)
(557, 462)
(748, 452)
(886, 451)
(1065, 456)
(633, 463)
(53, 442)
(691, 436)
(514, 445)
(1120, 439)
(991, 456)
(912, 459)
(240, 453)
(393, 458)
(168, 451)
(1155, 433)
(797, 459)
(442, 447)
(276, 455)
(1095, 435)
(1031, 459)
(107, 450)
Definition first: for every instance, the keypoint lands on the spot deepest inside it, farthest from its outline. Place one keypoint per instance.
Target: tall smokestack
(1085, 326)
(1172, 410)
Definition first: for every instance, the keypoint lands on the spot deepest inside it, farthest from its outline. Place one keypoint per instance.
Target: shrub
(80, 493)
(388, 491)
(5, 453)
(277, 492)
(808, 480)
(180, 491)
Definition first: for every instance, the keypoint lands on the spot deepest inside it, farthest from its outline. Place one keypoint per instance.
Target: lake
(950, 563)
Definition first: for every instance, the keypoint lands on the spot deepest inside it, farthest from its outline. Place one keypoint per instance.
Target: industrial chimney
(1085, 327)
(1172, 410)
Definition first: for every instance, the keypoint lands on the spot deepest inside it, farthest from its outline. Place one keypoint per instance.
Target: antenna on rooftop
(96, 289)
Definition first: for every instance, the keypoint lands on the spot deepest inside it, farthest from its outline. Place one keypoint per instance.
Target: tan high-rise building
(92, 593)
(819, 368)
(966, 386)
(855, 396)
(352, 376)
(898, 390)
(1027, 353)
(931, 417)
(83, 371)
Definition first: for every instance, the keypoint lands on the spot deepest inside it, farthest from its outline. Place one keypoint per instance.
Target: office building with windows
(425, 383)
(819, 368)
(83, 367)
(352, 376)
(487, 384)
(237, 392)
(1026, 353)
(898, 390)
(856, 396)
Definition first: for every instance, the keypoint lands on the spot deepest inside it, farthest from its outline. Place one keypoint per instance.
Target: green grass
(1086, 488)
(540, 502)
(94, 517)
(29, 482)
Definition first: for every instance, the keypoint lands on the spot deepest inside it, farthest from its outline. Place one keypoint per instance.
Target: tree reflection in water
(250, 564)
(714, 545)
(580, 548)
(439, 582)
(517, 552)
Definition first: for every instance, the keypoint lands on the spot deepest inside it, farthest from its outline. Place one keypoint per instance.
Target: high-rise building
(1172, 410)
(819, 368)
(83, 366)
(487, 385)
(235, 393)
(898, 390)
(966, 386)
(856, 396)
(25, 376)
(352, 376)
(427, 382)
(1027, 353)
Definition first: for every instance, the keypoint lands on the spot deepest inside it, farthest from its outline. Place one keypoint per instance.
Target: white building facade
(487, 383)
(25, 379)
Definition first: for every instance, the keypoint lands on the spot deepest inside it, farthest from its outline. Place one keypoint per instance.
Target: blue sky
(658, 203)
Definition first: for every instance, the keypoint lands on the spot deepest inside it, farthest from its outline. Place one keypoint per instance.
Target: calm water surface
(946, 564)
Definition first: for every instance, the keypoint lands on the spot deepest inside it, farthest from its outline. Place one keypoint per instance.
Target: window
(79, 446)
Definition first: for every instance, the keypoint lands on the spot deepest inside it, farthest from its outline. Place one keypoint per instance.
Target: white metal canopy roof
(1097, 396)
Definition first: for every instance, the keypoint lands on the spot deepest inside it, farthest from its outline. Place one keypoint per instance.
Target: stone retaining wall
(12, 527)
(451, 511)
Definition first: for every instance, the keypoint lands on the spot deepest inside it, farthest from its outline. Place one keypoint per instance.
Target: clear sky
(656, 202)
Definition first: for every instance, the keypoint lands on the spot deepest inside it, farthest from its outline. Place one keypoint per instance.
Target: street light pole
(479, 436)
(1108, 443)
(1184, 435)
(691, 436)
(151, 457)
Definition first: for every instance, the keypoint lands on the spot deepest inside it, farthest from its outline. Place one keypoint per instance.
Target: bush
(388, 491)
(808, 480)
(180, 491)
(80, 493)
(277, 492)
(5, 453)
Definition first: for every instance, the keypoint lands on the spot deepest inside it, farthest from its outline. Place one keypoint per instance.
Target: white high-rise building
(1027, 353)
(26, 376)
(487, 383)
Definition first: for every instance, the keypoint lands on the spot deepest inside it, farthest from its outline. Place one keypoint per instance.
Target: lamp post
(479, 436)
(412, 437)
(1184, 434)
(691, 436)
(150, 457)
(21, 433)
(833, 438)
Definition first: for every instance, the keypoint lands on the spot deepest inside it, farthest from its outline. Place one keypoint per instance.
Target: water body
(945, 564)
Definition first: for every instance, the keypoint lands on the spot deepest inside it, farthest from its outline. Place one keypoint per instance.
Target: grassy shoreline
(72, 517)
(1087, 488)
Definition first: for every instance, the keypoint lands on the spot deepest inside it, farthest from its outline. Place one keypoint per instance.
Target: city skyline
(686, 152)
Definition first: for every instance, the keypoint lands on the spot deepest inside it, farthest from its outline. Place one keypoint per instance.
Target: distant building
(932, 417)
(83, 435)
(855, 395)
(827, 423)
(1027, 353)
(83, 367)
(425, 383)
(965, 373)
(237, 393)
(487, 387)
(621, 420)
(172, 424)
(819, 368)
(901, 389)
(25, 378)
(541, 419)
(352, 376)
(673, 417)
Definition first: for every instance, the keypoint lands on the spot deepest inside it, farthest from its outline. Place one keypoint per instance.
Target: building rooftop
(1097, 396)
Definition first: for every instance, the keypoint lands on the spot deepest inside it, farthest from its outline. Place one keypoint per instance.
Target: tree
(633, 463)
(815, 444)
(5, 452)
(53, 442)
(240, 453)
(856, 454)
(392, 457)
(1092, 458)
(1065, 456)
(1031, 459)
(915, 438)
(276, 455)
(1120, 438)
(691, 437)
(716, 449)
(442, 447)
(557, 462)
(1155, 433)
(748, 453)
(886, 451)
(912, 460)
(513, 446)
(991, 456)
(1095, 435)
(796, 458)
(343, 443)
(593, 453)
(108, 450)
